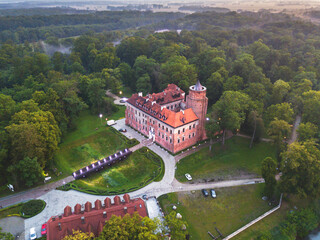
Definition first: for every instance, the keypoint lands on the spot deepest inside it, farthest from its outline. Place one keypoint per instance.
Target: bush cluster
(32, 208)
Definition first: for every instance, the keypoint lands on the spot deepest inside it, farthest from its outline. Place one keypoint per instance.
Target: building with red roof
(172, 120)
(87, 218)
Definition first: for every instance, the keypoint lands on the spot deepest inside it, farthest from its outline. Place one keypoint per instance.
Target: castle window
(150, 120)
(143, 127)
(170, 140)
(153, 122)
(170, 131)
(178, 131)
(166, 138)
(162, 136)
(190, 127)
(159, 134)
(183, 130)
(162, 127)
(189, 136)
(159, 125)
(166, 129)
(136, 111)
(182, 139)
(139, 114)
(194, 125)
(178, 140)
(192, 134)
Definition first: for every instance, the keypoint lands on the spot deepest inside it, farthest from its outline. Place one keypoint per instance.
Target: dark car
(122, 130)
(205, 192)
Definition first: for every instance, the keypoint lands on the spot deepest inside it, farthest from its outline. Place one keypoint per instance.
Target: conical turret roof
(198, 86)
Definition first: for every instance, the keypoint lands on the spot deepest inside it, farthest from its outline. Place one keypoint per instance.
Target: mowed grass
(234, 160)
(130, 173)
(272, 222)
(12, 210)
(233, 208)
(88, 124)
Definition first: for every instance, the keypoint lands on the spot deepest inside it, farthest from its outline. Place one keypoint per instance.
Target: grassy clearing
(131, 174)
(272, 222)
(88, 124)
(231, 161)
(12, 210)
(233, 208)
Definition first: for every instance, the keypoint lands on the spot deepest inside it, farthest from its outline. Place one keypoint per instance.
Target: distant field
(233, 208)
(233, 160)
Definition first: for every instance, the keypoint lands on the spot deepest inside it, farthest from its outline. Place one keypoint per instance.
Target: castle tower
(198, 101)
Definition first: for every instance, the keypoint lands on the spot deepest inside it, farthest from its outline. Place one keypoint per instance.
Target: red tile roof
(92, 219)
(171, 94)
(172, 118)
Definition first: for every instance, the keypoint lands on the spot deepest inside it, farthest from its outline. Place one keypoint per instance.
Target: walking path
(115, 97)
(294, 134)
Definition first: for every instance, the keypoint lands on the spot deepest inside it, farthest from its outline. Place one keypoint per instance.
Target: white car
(188, 176)
(33, 234)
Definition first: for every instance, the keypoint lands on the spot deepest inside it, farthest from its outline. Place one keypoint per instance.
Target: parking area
(121, 124)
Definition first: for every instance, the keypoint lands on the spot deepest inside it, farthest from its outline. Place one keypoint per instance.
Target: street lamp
(100, 116)
(120, 92)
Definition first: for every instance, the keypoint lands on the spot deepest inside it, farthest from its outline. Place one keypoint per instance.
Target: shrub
(32, 208)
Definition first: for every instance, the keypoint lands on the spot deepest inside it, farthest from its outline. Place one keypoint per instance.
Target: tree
(311, 106)
(129, 227)
(5, 235)
(28, 171)
(234, 83)
(78, 235)
(230, 110)
(282, 111)
(268, 170)
(280, 91)
(7, 109)
(307, 131)
(279, 130)
(177, 226)
(177, 70)
(212, 130)
(214, 87)
(149, 66)
(143, 84)
(256, 126)
(300, 168)
(33, 134)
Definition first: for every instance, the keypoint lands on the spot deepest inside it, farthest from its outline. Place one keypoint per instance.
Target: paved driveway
(13, 225)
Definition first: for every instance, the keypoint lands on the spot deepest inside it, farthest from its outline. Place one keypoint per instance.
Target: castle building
(172, 120)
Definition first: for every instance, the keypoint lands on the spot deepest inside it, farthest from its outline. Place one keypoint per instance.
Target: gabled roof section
(171, 94)
(154, 109)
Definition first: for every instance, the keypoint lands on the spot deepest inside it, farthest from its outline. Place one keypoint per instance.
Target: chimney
(97, 204)
(88, 207)
(153, 102)
(147, 99)
(77, 209)
(67, 211)
(182, 111)
(117, 200)
(107, 202)
(126, 198)
(59, 225)
(53, 219)
(104, 214)
(82, 220)
(140, 94)
(125, 209)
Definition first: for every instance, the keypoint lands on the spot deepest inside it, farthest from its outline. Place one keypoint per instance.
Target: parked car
(205, 192)
(188, 176)
(44, 229)
(33, 234)
(122, 130)
(144, 196)
(213, 193)
(123, 100)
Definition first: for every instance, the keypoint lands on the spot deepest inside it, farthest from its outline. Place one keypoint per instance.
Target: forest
(261, 70)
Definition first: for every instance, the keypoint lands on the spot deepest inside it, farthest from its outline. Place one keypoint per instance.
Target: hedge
(32, 208)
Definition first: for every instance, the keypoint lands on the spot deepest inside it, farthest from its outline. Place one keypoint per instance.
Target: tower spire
(198, 86)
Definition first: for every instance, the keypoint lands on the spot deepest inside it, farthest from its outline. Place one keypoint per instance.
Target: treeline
(41, 11)
(37, 27)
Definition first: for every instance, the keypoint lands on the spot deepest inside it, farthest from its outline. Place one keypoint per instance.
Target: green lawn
(233, 208)
(88, 124)
(233, 160)
(12, 210)
(131, 174)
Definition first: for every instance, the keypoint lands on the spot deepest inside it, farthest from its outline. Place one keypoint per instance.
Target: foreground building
(88, 219)
(170, 118)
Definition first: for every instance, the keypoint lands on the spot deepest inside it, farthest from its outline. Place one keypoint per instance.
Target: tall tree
(230, 111)
(268, 170)
(177, 226)
(300, 168)
(307, 131)
(78, 235)
(129, 227)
